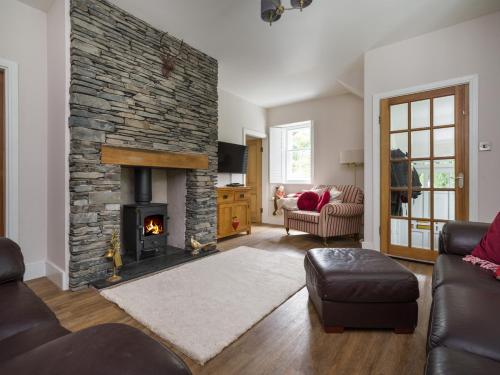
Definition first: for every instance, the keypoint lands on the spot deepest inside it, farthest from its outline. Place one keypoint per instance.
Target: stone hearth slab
(171, 258)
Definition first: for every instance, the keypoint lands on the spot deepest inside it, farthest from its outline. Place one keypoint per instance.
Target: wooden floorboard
(290, 340)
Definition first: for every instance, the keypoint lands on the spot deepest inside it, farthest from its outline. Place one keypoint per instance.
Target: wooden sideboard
(233, 211)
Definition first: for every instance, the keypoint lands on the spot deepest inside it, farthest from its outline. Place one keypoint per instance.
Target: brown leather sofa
(464, 334)
(33, 342)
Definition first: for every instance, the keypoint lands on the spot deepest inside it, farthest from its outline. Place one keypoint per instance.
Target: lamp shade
(352, 157)
(301, 4)
(268, 9)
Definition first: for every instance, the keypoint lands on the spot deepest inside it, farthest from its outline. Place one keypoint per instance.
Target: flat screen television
(232, 158)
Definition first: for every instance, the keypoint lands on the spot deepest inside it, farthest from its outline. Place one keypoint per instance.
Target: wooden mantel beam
(134, 157)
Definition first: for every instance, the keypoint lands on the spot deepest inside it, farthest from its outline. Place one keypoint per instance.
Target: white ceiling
(304, 55)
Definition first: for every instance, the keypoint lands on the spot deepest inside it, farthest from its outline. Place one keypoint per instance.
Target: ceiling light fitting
(271, 10)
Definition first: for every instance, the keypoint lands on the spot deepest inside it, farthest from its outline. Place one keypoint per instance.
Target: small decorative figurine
(279, 192)
(113, 254)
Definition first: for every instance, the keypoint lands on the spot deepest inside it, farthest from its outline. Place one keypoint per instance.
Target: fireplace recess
(144, 223)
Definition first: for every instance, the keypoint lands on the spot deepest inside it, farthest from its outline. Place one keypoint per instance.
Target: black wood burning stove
(144, 223)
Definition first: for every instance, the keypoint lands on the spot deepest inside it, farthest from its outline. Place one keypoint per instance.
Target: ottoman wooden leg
(287, 231)
(404, 331)
(336, 329)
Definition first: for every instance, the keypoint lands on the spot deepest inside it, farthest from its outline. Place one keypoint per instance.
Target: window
(291, 153)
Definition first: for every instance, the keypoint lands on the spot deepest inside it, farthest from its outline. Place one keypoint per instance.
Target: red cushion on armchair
(323, 200)
(308, 201)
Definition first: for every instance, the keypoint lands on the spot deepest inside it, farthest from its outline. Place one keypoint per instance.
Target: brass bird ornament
(197, 246)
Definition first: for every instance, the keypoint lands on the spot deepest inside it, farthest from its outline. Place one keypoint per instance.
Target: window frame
(284, 151)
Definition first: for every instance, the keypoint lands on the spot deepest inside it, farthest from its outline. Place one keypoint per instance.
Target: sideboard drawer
(241, 195)
(225, 196)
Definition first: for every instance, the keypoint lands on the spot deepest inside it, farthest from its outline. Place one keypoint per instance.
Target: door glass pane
(444, 205)
(399, 116)
(399, 174)
(438, 227)
(421, 114)
(420, 144)
(399, 203)
(444, 110)
(444, 174)
(421, 234)
(421, 173)
(444, 142)
(399, 145)
(421, 204)
(399, 232)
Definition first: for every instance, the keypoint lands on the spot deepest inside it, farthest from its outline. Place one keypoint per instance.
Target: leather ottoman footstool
(359, 288)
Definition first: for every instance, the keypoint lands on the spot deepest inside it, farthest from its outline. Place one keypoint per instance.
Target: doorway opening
(254, 177)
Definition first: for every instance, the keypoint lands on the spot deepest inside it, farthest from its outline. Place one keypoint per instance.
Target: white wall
(461, 50)
(57, 142)
(23, 33)
(236, 114)
(338, 126)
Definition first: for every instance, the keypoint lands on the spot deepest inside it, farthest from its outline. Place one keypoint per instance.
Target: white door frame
(473, 81)
(10, 69)
(252, 133)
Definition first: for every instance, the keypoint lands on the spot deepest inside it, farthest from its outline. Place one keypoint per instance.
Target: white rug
(203, 306)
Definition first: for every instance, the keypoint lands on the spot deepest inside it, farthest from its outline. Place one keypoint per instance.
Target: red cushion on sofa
(324, 199)
(308, 201)
(489, 247)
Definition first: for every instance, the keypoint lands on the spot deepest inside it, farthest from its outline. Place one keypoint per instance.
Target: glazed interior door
(424, 169)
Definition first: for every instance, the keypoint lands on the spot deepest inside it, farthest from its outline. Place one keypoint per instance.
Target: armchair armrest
(343, 209)
(460, 238)
(11, 261)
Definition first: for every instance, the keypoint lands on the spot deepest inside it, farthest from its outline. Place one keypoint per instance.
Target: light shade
(297, 3)
(268, 9)
(352, 157)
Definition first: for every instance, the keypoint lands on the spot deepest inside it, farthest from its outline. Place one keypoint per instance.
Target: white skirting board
(368, 245)
(57, 275)
(46, 268)
(35, 270)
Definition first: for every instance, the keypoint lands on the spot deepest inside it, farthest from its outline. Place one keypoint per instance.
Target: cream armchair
(335, 219)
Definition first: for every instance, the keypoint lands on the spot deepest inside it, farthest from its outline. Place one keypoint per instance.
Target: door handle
(460, 180)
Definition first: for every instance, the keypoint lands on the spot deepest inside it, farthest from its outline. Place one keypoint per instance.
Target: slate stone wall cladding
(119, 97)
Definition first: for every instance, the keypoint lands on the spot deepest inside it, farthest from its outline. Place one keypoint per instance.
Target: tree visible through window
(291, 153)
